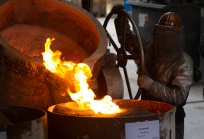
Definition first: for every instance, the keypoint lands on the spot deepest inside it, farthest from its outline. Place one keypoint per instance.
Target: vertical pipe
(88, 5)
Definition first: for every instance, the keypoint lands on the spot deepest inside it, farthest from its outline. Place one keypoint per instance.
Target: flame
(84, 96)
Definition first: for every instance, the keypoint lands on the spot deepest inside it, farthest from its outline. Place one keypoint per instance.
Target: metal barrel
(24, 123)
(112, 126)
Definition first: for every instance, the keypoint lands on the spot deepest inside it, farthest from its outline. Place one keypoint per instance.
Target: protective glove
(144, 81)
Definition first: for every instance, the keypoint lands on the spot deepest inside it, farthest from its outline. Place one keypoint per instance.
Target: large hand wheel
(122, 56)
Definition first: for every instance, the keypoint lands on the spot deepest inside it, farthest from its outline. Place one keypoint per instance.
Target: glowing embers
(72, 109)
(81, 72)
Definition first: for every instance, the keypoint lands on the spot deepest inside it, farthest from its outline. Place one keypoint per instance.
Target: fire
(84, 96)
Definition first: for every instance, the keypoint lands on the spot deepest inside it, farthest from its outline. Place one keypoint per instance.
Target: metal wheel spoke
(139, 92)
(113, 43)
(127, 82)
(132, 57)
(124, 33)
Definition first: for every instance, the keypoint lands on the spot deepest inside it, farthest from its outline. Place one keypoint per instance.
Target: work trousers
(180, 131)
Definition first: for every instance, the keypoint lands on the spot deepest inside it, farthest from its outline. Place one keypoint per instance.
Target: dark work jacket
(170, 68)
(172, 82)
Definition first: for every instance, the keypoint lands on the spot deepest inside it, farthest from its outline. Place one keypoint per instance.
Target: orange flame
(84, 95)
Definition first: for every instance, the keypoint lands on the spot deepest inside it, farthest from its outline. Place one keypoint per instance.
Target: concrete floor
(194, 121)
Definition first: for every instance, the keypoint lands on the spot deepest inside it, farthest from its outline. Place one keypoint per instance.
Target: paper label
(142, 130)
(3, 135)
(142, 19)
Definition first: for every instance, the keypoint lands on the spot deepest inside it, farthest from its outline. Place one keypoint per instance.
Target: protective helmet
(168, 38)
(171, 19)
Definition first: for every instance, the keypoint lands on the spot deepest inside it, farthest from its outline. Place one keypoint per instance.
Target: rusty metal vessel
(26, 24)
(73, 124)
(24, 123)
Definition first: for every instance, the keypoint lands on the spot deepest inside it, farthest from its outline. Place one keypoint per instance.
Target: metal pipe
(88, 5)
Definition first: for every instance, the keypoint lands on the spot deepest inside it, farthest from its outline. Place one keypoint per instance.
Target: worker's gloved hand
(117, 8)
(201, 49)
(144, 81)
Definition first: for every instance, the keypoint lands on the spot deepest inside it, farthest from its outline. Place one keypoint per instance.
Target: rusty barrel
(22, 123)
(74, 124)
(24, 28)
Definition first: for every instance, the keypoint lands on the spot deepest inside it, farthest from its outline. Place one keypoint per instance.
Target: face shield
(168, 43)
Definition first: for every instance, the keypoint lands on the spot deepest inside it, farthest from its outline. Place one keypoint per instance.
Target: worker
(168, 69)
